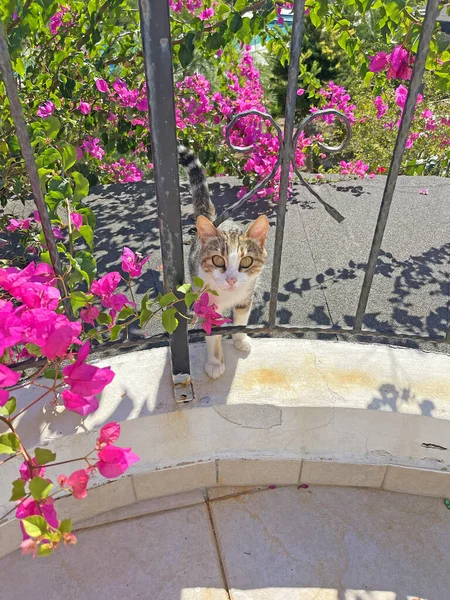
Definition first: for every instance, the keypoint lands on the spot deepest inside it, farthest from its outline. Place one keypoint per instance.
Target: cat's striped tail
(201, 199)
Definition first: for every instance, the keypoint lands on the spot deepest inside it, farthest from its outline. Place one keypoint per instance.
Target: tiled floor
(320, 543)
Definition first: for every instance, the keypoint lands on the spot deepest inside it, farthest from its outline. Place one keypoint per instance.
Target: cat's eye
(218, 261)
(246, 262)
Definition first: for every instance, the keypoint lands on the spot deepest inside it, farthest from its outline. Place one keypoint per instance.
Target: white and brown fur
(234, 283)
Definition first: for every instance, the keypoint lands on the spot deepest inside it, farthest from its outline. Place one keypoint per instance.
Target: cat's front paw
(214, 368)
(242, 343)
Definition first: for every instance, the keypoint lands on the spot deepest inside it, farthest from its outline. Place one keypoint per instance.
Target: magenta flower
(89, 314)
(109, 433)
(208, 313)
(46, 110)
(11, 327)
(84, 107)
(400, 62)
(14, 224)
(206, 14)
(106, 284)
(102, 86)
(380, 106)
(4, 397)
(400, 96)
(427, 113)
(36, 216)
(77, 220)
(142, 105)
(114, 461)
(8, 377)
(44, 508)
(25, 471)
(59, 235)
(132, 263)
(77, 482)
(424, 192)
(378, 62)
(83, 405)
(92, 146)
(85, 380)
(300, 92)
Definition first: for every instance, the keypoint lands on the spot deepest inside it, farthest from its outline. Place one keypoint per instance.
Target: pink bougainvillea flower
(102, 86)
(77, 482)
(13, 225)
(46, 110)
(86, 380)
(8, 377)
(29, 546)
(300, 92)
(109, 433)
(380, 106)
(4, 397)
(400, 96)
(83, 405)
(142, 105)
(93, 147)
(427, 113)
(89, 314)
(424, 192)
(77, 220)
(206, 14)
(84, 107)
(11, 327)
(106, 284)
(24, 471)
(44, 508)
(114, 461)
(59, 235)
(371, 175)
(208, 313)
(132, 263)
(378, 62)
(400, 62)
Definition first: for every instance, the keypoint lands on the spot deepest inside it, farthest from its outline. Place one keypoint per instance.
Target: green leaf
(9, 443)
(85, 264)
(35, 526)
(169, 320)
(18, 490)
(167, 299)
(19, 67)
(447, 503)
(79, 300)
(69, 155)
(198, 282)
(240, 5)
(46, 159)
(40, 488)
(145, 312)
(185, 55)
(45, 549)
(52, 373)
(235, 23)
(223, 11)
(51, 125)
(9, 407)
(104, 318)
(34, 349)
(81, 186)
(65, 526)
(190, 298)
(125, 313)
(115, 332)
(183, 289)
(315, 19)
(88, 235)
(44, 456)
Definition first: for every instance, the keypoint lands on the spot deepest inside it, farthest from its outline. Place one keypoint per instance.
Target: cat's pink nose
(231, 281)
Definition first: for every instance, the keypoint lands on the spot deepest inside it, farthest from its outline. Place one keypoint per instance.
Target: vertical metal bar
(155, 31)
(30, 164)
(287, 152)
(396, 161)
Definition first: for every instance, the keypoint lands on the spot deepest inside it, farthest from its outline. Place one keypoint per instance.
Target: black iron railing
(155, 29)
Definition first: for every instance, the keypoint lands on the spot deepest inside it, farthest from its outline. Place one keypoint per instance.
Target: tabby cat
(228, 259)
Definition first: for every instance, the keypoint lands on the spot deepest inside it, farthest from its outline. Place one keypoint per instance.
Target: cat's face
(232, 259)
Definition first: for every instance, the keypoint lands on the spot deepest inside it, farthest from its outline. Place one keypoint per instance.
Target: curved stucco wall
(292, 411)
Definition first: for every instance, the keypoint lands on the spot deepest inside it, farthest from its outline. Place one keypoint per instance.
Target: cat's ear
(205, 229)
(258, 230)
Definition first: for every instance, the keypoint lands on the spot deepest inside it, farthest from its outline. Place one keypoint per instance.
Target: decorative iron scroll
(301, 128)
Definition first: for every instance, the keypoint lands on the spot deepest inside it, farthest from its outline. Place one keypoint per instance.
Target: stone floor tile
(333, 544)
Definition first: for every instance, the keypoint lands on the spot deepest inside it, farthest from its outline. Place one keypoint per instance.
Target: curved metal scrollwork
(301, 128)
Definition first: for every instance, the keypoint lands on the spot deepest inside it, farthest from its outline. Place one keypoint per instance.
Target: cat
(228, 259)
